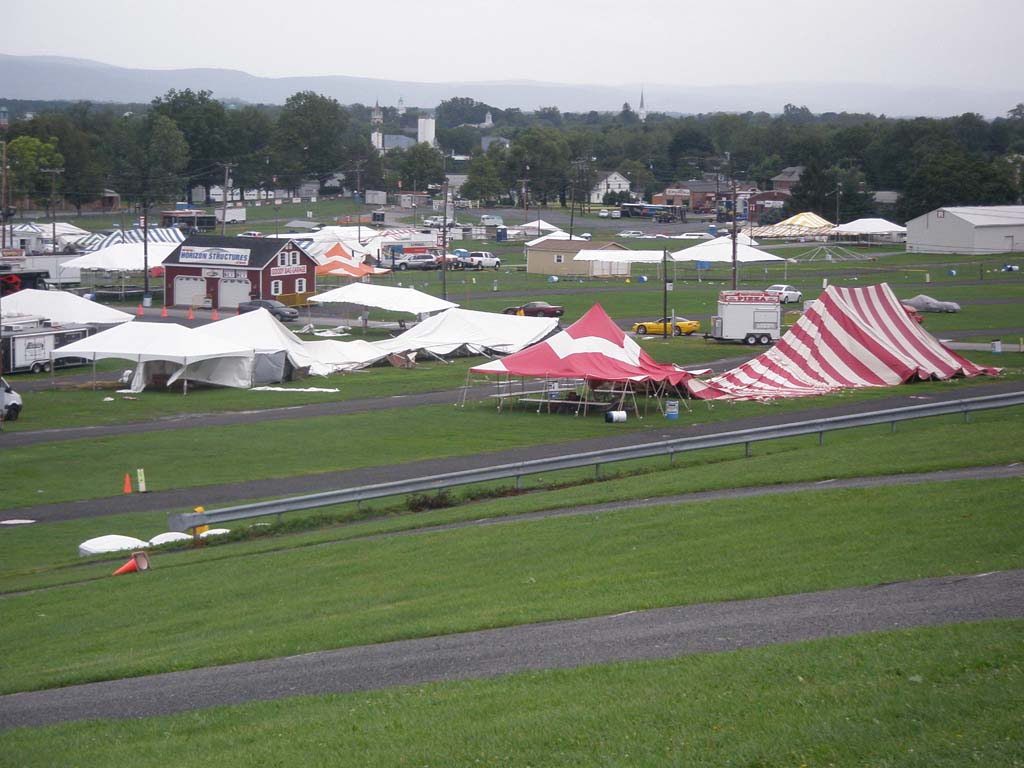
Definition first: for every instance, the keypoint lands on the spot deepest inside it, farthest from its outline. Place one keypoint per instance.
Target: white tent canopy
(558, 235)
(537, 225)
(384, 297)
(719, 251)
(619, 256)
(868, 227)
(476, 332)
(123, 257)
(62, 307)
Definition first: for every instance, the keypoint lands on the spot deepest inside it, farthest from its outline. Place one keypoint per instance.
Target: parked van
(491, 221)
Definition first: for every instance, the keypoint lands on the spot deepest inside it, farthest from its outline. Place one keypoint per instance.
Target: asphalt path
(632, 636)
(212, 495)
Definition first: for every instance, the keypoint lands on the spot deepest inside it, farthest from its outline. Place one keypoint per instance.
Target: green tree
(814, 192)
(248, 131)
(419, 166)
(482, 180)
(202, 120)
(542, 156)
(27, 157)
(84, 165)
(309, 138)
(153, 160)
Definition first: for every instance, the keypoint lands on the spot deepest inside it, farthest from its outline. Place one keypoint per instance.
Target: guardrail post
(821, 437)
(967, 416)
(892, 427)
(519, 483)
(746, 449)
(597, 471)
(671, 458)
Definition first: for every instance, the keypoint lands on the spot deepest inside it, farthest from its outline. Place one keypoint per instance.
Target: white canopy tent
(272, 344)
(558, 235)
(537, 225)
(620, 256)
(165, 348)
(472, 331)
(62, 307)
(719, 251)
(123, 257)
(384, 297)
(869, 227)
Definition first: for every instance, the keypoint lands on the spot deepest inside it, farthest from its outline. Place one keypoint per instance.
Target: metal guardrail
(517, 470)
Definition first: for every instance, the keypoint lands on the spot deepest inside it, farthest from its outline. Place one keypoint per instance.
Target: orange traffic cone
(215, 318)
(139, 562)
(140, 313)
(127, 482)
(163, 312)
(191, 314)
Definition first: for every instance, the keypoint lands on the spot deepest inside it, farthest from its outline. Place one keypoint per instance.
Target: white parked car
(696, 236)
(786, 293)
(488, 220)
(630, 233)
(603, 213)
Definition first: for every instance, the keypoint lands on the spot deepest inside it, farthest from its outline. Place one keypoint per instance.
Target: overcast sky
(897, 42)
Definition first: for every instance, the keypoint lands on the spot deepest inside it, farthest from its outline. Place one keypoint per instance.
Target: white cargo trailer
(753, 317)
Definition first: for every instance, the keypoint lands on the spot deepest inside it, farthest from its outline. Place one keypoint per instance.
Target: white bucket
(615, 417)
(997, 346)
(671, 409)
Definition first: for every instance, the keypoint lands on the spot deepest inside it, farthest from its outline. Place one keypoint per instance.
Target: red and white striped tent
(593, 348)
(849, 338)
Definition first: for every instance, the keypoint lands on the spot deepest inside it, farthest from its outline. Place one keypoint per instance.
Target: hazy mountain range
(53, 77)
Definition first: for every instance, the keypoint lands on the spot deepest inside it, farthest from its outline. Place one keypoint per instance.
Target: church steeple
(376, 116)
(642, 111)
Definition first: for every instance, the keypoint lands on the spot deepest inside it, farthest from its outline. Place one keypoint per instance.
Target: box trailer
(230, 216)
(28, 342)
(753, 317)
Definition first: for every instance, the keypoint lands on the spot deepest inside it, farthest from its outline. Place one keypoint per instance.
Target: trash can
(147, 300)
(997, 346)
(615, 417)
(671, 409)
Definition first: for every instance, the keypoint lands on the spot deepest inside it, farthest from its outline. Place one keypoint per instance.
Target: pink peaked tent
(849, 338)
(592, 348)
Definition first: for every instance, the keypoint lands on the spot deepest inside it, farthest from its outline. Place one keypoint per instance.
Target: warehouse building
(976, 230)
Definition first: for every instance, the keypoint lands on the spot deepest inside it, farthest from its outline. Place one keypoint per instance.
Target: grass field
(930, 698)
(476, 578)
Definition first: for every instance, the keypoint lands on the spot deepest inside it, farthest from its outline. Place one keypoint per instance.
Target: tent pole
(93, 373)
(53, 373)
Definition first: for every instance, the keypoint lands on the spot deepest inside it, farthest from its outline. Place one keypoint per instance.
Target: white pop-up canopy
(62, 307)
(557, 235)
(869, 227)
(475, 332)
(719, 251)
(537, 225)
(619, 256)
(123, 257)
(384, 297)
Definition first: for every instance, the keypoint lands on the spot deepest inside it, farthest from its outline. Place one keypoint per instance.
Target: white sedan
(630, 233)
(786, 293)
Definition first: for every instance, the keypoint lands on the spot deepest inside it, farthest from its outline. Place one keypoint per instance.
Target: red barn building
(223, 271)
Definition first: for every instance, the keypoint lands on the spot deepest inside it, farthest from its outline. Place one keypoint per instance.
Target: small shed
(556, 257)
(223, 271)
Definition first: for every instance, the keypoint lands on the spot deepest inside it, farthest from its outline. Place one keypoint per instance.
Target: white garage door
(189, 291)
(231, 291)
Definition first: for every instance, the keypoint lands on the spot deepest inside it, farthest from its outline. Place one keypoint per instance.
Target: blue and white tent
(154, 235)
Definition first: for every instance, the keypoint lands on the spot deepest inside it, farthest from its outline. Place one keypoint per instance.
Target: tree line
(183, 140)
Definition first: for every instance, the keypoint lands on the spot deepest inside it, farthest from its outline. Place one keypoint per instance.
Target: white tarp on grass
(62, 307)
(384, 297)
(470, 331)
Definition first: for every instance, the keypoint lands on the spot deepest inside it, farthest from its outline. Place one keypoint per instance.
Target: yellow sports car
(683, 327)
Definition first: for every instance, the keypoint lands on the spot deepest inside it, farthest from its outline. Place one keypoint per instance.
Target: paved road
(635, 635)
(213, 495)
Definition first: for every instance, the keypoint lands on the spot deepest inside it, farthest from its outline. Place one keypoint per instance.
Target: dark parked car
(276, 308)
(535, 309)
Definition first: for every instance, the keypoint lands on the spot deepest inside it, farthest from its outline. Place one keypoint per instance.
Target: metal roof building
(977, 230)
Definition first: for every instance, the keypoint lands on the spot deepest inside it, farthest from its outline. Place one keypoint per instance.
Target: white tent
(619, 256)
(166, 348)
(475, 332)
(123, 257)
(273, 344)
(62, 307)
(869, 227)
(384, 297)
(537, 225)
(559, 235)
(719, 251)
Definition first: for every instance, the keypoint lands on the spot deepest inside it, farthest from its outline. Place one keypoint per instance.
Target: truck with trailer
(28, 341)
(753, 317)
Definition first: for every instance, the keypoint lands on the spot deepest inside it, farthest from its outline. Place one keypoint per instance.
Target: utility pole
(734, 275)
(224, 195)
(444, 238)
(3, 192)
(664, 294)
(54, 172)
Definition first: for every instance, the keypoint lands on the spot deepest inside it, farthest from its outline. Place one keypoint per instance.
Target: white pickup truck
(483, 260)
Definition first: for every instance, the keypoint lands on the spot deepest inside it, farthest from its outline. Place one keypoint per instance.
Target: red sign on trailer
(747, 297)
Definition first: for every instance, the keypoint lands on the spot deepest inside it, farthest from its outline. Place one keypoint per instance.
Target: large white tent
(806, 224)
(471, 331)
(164, 348)
(619, 256)
(272, 344)
(557, 235)
(123, 257)
(869, 227)
(719, 251)
(537, 225)
(62, 308)
(384, 297)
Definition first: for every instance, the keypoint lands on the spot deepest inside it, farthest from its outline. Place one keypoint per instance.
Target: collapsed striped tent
(592, 348)
(849, 338)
